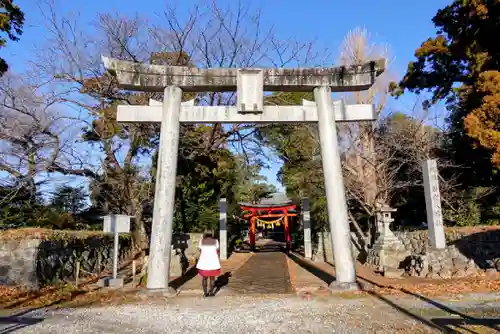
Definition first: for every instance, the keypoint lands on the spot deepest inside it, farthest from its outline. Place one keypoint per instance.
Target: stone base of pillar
(168, 293)
(109, 282)
(387, 253)
(338, 287)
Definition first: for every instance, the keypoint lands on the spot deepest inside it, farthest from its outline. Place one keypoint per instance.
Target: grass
(48, 234)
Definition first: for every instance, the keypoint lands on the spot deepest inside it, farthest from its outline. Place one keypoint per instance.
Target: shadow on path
(443, 324)
(448, 323)
(465, 319)
(12, 323)
(221, 281)
(321, 274)
(181, 280)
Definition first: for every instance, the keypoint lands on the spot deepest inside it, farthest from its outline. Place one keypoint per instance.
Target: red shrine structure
(277, 207)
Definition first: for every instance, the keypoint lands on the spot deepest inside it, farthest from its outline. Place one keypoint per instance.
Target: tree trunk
(369, 172)
(185, 227)
(369, 164)
(139, 233)
(362, 241)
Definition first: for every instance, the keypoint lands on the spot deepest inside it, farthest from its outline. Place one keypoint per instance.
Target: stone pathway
(263, 273)
(272, 272)
(230, 266)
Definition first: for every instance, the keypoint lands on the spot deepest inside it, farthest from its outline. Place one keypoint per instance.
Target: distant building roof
(274, 200)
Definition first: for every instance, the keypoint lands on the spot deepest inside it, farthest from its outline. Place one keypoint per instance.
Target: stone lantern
(384, 219)
(388, 252)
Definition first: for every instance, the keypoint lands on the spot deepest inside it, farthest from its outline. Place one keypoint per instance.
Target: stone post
(164, 201)
(116, 246)
(223, 228)
(345, 270)
(433, 205)
(306, 218)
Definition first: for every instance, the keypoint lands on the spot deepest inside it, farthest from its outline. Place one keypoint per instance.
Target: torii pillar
(250, 85)
(338, 217)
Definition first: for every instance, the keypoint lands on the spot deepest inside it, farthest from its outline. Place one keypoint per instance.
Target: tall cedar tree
(460, 66)
(11, 24)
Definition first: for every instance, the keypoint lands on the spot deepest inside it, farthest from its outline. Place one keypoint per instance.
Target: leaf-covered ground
(88, 293)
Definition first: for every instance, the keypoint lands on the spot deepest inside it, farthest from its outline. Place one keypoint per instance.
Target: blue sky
(400, 24)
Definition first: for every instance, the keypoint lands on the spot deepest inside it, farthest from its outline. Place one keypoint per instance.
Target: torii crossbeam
(307, 113)
(154, 78)
(250, 85)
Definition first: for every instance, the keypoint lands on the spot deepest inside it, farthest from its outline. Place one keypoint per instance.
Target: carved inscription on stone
(433, 204)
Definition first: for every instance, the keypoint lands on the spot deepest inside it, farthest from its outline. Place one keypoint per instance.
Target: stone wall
(323, 251)
(37, 259)
(468, 251)
(34, 258)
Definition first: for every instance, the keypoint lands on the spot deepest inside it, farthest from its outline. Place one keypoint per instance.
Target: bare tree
(378, 153)
(210, 37)
(379, 158)
(358, 138)
(230, 37)
(359, 158)
(71, 56)
(36, 136)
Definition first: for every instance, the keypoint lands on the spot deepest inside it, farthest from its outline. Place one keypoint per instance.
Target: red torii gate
(263, 210)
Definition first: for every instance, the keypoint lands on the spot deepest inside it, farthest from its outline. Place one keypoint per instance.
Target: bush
(491, 215)
(297, 240)
(466, 214)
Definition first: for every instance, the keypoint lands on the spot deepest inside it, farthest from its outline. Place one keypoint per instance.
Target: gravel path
(224, 315)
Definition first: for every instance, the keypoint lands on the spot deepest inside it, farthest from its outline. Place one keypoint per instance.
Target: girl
(208, 265)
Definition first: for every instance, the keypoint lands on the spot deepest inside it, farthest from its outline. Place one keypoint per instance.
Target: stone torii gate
(250, 85)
